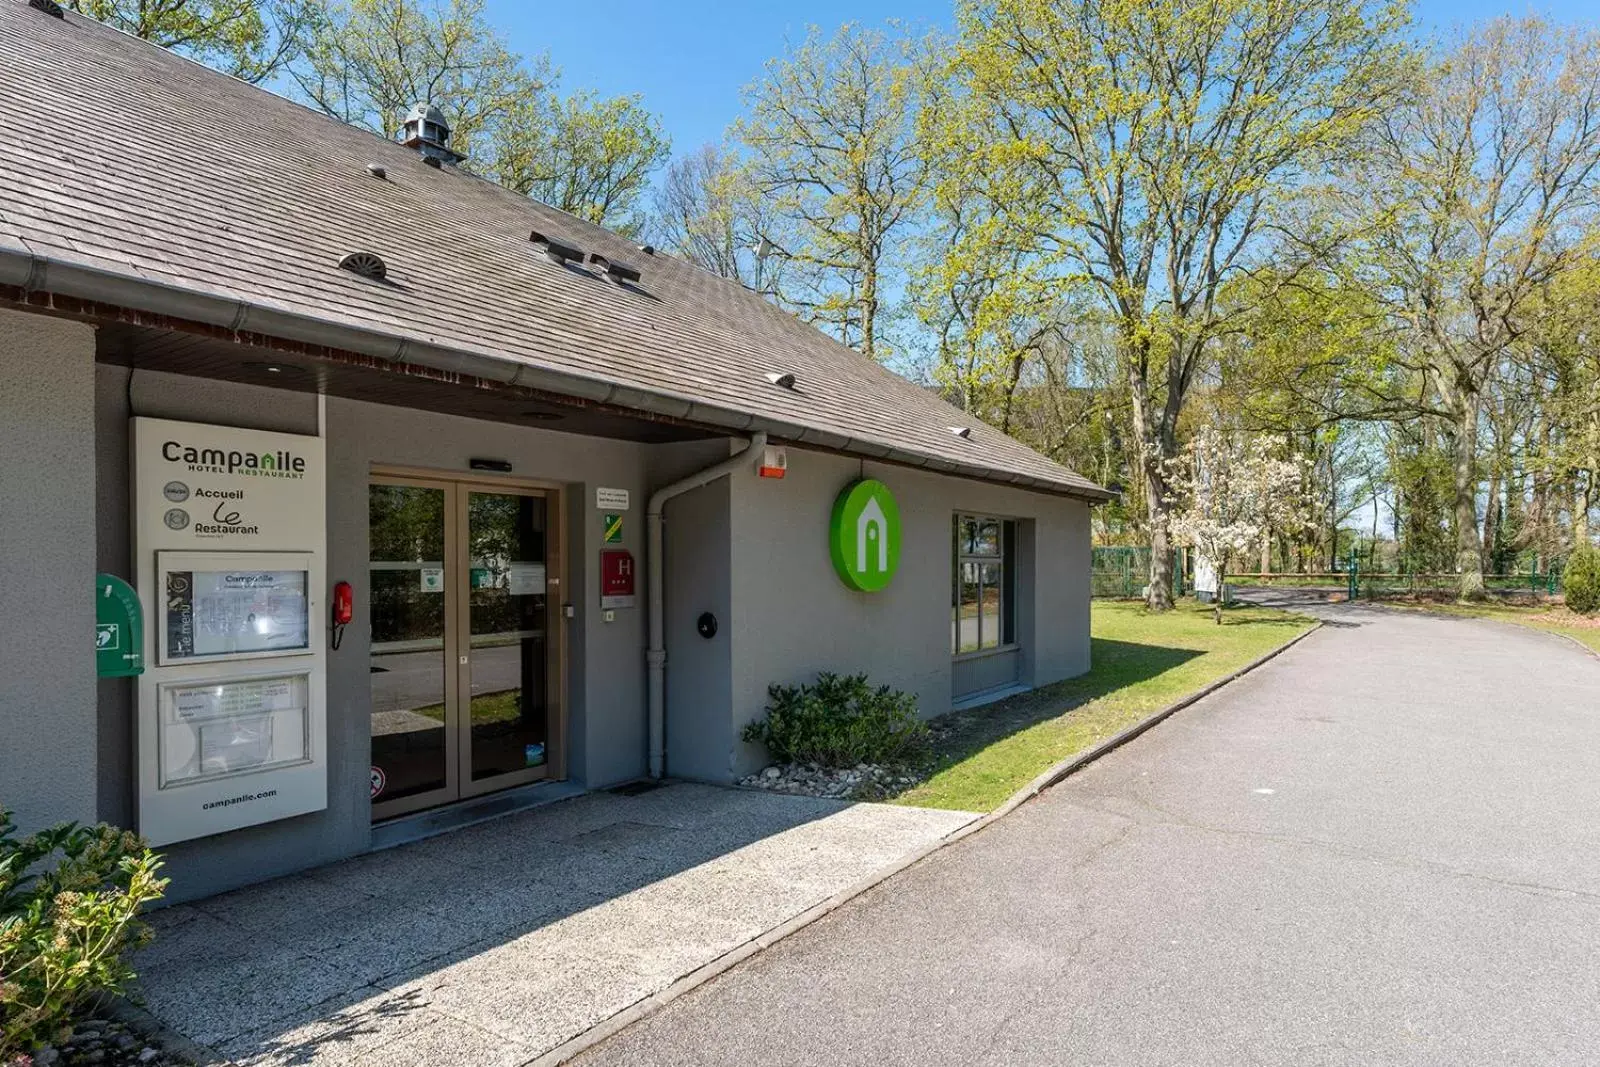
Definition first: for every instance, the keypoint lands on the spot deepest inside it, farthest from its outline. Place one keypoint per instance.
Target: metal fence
(1370, 585)
(1123, 572)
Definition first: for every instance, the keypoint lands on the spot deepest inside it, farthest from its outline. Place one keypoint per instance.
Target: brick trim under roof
(136, 177)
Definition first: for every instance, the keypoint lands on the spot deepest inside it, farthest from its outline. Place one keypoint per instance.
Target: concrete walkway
(1380, 848)
(494, 944)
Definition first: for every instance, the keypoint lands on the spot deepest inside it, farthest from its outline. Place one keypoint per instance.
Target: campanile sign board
(229, 548)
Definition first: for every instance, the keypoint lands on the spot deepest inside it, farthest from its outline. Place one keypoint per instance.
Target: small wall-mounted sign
(616, 578)
(118, 628)
(612, 524)
(611, 499)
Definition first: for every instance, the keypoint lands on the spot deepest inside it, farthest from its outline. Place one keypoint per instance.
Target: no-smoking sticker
(379, 780)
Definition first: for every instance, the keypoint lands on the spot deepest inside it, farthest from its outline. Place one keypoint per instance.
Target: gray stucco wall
(605, 697)
(47, 552)
(753, 552)
(699, 728)
(793, 617)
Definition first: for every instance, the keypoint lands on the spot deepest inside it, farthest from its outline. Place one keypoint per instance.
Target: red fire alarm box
(616, 578)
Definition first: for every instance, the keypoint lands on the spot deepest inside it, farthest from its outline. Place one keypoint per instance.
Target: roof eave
(21, 268)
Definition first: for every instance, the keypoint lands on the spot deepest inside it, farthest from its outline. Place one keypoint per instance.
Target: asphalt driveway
(1381, 848)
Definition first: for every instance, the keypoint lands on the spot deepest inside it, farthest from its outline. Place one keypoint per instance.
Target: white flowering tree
(1230, 488)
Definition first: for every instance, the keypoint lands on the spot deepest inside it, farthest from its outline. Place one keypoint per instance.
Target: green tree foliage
(249, 39)
(830, 137)
(707, 211)
(588, 156)
(1137, 149)
(367, 62)
(1467, 202)
(1581, 582)
(70, 898)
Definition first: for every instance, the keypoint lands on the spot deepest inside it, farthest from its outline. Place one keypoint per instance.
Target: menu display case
(233, 605)
(215, 729)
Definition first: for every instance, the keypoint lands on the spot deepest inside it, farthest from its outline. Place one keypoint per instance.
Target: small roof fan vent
(49, 7)
(783, 379)
(554, 250)
(617, 271)
(963, 432)
(366, 264)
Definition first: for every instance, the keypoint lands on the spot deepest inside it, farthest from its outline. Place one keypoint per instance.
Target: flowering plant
(70, 897)
(1229, 489)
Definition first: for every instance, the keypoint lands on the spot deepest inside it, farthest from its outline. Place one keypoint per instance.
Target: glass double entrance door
(466, 651)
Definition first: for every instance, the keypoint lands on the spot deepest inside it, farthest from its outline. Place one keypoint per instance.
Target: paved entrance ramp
(496, 943)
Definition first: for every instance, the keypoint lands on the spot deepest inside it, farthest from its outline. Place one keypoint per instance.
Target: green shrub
(69, 903)
(1581, 582)
(840, 722)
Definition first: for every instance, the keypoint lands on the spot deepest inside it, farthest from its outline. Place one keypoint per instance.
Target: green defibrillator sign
(864, 536)
(118, 628)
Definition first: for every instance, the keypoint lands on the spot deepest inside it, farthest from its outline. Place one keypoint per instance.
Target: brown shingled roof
(157, 177)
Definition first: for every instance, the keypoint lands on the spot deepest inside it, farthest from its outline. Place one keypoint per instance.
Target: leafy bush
(69, 904)
(1581, 582)
(840, 722)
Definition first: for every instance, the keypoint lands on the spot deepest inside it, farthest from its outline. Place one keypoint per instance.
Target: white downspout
(655, 579)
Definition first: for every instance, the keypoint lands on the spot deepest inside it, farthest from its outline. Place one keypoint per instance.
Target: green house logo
(864, 536)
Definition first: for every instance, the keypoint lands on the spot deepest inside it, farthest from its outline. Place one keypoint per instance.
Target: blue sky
(690, 58)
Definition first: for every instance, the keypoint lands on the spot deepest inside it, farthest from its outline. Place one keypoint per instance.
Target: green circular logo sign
(864, 537)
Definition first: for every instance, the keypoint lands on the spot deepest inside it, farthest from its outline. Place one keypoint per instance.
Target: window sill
(985, 653)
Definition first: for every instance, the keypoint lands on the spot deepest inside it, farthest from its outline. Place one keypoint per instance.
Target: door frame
(456, 486)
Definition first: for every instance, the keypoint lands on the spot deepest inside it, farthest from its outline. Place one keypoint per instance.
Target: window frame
(1005, 559)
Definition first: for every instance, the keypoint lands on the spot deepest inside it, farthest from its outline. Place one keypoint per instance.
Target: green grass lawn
(1141, 663)
(1549, 617)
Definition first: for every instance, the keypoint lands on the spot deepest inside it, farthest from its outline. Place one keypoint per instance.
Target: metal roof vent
(427, 131)
(377, 170)
(554, 250)
(963, 432)
(784, 380)
(366, 264)
(49, 7)
(618, 272)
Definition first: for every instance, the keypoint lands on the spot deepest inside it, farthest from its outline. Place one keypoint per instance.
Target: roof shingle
(143, 166)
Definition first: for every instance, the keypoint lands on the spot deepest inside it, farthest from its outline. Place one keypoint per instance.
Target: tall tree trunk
(1492, 518)
(1582, 501)
(869, 309)
(1159, 596)
(1266, 551)
(1156, 446)
(1464, 475)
